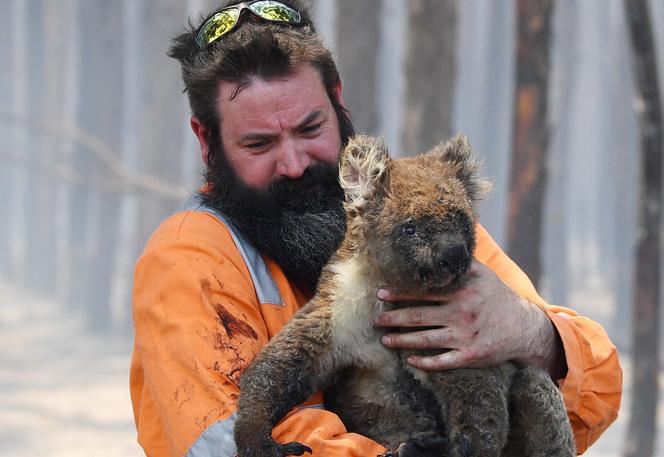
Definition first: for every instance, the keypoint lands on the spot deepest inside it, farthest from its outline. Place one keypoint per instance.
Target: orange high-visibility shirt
(200, 319)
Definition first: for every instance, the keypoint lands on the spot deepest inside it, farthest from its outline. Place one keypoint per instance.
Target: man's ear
(459, 154)
(201, 133)
(363, 169)
(339, 95)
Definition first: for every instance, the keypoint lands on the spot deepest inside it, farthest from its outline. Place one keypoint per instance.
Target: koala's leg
(286, 372)
(540, 426)
(390, 406)
(476, 409)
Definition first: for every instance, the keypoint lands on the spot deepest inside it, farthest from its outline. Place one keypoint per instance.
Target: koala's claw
(294, 448)
(424, 446)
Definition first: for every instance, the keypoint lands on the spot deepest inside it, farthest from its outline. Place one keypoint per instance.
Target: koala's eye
(410, 228)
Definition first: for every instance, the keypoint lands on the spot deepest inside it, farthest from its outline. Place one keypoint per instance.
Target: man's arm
(198, 325)
(499, 316)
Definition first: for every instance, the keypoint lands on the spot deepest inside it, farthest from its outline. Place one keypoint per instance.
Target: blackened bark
(430, 70)
(531, 135)
(645, 334)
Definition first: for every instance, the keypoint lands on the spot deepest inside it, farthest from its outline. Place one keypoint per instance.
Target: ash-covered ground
(65, 391)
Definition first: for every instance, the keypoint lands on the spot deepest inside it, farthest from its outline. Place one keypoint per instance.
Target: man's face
(274, 129)
(275, 174)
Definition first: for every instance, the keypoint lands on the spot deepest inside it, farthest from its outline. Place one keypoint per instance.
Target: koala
(410, 225)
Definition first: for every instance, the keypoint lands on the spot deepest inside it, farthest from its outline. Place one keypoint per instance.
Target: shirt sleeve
(592, 388)
(197, 327)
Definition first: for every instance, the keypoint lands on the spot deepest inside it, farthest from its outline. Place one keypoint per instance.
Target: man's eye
(257, 145)
(312, 128)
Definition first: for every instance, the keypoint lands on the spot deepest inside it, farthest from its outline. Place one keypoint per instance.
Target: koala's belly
(388, 404)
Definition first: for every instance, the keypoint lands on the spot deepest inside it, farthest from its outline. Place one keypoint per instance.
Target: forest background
(96, 150)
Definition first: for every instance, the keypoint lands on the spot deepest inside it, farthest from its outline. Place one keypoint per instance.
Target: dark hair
(255, 48)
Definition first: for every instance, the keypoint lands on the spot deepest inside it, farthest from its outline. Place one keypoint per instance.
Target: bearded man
(217, 281)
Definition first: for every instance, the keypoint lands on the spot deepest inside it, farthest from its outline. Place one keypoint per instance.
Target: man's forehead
(304, 75)
(265, 107)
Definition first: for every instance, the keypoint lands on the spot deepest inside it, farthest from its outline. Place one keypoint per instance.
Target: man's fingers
(414, 316)
(438, 338)
(439, 362)
(388, 295)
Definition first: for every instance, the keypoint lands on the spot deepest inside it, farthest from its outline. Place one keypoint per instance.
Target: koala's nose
(454, 258)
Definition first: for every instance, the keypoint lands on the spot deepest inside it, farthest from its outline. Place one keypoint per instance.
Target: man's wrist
(545, 347)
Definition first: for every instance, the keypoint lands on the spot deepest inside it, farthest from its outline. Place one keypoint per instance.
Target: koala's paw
(424, 446)
(293, 448)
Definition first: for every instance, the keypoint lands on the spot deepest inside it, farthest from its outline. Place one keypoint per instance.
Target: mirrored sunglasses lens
(275, 11)
(218, 25)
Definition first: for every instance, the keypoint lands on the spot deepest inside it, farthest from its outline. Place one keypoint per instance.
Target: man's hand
(485, 323)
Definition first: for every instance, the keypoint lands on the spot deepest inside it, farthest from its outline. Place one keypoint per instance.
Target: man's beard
(297, 222)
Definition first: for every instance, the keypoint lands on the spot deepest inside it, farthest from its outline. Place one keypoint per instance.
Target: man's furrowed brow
(314, 115)
(257, 136)
(266, 136)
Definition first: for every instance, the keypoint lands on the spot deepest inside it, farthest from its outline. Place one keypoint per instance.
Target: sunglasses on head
(226, 19)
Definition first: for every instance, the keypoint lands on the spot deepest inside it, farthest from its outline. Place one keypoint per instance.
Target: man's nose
(293, 160)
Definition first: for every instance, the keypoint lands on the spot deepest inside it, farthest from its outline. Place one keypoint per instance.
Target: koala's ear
(363, 168)
(458, 152)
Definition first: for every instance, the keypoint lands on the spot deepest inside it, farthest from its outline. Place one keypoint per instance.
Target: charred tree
(39, 201)
(358, 32)
(645, 310)
(531, 135)
(430, 69)
(94, 227)
(161, 113)
(8, 162)
(565, 25)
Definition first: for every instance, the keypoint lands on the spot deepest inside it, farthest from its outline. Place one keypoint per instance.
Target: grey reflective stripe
(316, 406)
(216, 441)
(266, 289)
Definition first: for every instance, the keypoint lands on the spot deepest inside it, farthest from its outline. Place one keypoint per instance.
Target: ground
(64, 391)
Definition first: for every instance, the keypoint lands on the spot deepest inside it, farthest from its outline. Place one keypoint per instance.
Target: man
(217, 281)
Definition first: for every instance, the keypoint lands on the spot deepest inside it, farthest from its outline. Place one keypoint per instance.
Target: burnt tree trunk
(8, 160)
(531, 135)
(161, 113)
(18, 221)
(357, 39)
(93, 235)
(430, 70)
(40, 253)
(645, 335)
(556, 230)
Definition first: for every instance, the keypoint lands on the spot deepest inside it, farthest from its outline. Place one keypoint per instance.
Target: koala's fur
(410, 224)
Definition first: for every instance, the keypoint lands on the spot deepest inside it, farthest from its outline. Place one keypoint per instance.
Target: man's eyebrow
(262, 136)
(256, 136)
(309, 119)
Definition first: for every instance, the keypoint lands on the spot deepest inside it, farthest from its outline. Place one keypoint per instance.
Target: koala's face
(414, 217)
(420, 226)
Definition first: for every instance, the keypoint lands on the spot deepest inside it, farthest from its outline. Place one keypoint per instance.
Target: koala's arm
(198, 325)
(592, 387)
(293, 366)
